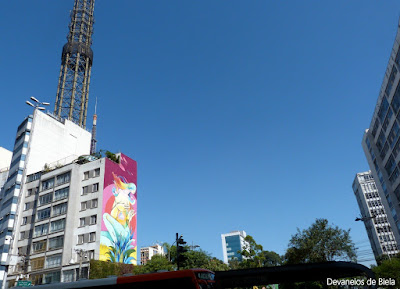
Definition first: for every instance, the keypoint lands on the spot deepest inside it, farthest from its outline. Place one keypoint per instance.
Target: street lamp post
(36, 103)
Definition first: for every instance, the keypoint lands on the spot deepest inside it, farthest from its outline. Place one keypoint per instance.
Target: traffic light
(180, 250)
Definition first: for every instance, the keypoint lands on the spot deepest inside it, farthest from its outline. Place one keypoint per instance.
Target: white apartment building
(374, 216)
(41, 141)
(146, 253)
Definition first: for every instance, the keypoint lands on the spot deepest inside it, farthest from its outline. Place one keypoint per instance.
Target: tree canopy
(254, 256)
(321, 242)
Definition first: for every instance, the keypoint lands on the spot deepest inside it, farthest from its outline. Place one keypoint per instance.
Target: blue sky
(242, 115)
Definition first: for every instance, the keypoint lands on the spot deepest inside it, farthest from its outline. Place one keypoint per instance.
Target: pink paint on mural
(118, 241)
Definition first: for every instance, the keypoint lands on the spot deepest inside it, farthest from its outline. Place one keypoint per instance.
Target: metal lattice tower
(76, 63)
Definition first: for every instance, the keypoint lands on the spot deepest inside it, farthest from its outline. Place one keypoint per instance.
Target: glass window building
(232, 243)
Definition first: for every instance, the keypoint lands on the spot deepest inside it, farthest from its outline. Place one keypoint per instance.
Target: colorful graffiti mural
(118, 241)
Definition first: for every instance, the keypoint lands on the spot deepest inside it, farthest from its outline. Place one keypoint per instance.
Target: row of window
(53, 197)
(46, 262)
(90, 189)
(371, 195)
(376, 212)
(383, 229)
(91, 174)
(53, 211)
(58, 180)
(89, 204)
(85, 221)
(43, 229)
(85, 238)
(380, 220)
(389, 247)
(51, 244)
(375, 203)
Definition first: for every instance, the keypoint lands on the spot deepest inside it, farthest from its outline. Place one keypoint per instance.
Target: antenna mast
(93, 141)
(76, 63)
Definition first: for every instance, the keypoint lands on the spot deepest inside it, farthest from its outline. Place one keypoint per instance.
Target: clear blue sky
(242, 115)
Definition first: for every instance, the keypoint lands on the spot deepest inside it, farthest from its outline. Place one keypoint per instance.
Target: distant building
(232, 243)
(381, 141)
(374, 216)
(146, 253)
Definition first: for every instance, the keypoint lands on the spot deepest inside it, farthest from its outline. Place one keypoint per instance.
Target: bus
(183, 279)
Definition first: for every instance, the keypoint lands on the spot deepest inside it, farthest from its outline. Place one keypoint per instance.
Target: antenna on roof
(93, 140)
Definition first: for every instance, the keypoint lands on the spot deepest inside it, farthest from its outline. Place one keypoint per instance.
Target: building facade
(69, 215)
(232, 243)
(146, 253)
(42, 142)
(381, 142)
(374, 216)
(60, 207)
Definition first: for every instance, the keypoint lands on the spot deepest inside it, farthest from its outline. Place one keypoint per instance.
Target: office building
(146, 253)
(381, 142)
(374, 216)
(232, 243)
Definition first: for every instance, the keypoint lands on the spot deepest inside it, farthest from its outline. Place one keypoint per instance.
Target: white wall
(53, 141)
(5, 158)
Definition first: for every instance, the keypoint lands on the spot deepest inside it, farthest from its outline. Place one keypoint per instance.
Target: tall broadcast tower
(76, 62)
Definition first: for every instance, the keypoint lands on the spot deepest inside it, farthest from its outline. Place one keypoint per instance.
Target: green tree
(389, 268)
(156, 263)
(215, 264)
(254, 255)
(321, 242)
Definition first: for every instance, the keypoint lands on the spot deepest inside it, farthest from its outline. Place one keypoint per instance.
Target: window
(91, 254)
(61, 194)
(37, 263)
(57, 225)
(82, 222)
(85, 190)
(68, 276)
(55, 243)
(23, 235)
(47, 184)
(52, 277)
(86, 175)
(38, 247)
(29, 192)
(97, 172)
(24, 220)
(60, 209)
(43, 214)
(53, 261)
(94, 203)
(41, 230)
(83, 206)
(45, 199)
(80, 239)
(64, 178)
(92, 237)
(93, 219)
(95, 187)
